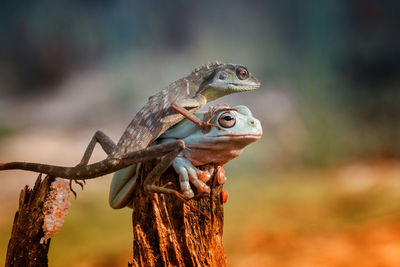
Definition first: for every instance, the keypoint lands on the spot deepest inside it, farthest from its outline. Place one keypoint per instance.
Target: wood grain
(169, 233)
(24, 248)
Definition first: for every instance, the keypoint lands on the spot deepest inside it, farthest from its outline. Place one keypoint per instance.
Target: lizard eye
(222, 76)
(227, 120)
(242, 73)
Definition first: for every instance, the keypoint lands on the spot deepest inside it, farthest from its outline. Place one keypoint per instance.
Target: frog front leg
(188, 172)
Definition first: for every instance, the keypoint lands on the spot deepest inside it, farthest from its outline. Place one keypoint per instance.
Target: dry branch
(24, 248)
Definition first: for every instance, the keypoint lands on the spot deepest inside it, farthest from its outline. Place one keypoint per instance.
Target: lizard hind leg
(162, 167)
(106, 143)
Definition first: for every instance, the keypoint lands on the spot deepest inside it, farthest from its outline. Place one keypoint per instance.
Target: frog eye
(242, 73)
(227, 120)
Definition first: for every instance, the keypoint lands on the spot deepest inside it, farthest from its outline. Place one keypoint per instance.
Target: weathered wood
(24, 248)
(169, 233)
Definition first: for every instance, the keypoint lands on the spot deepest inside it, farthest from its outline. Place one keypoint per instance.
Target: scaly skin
(163, 110)
(157, 116)
(202, 146)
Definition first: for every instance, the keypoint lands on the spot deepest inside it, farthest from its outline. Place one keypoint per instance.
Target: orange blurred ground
(346, 215)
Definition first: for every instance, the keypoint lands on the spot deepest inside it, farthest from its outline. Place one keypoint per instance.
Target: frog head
(236, 129)
(237, 124)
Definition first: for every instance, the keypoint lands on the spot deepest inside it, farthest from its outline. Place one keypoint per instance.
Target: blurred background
(322, 187)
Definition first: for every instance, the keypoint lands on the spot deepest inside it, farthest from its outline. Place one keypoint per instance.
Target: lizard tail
(80, 172)
(97, 169)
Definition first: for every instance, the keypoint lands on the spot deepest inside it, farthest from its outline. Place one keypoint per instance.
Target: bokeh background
(322, 187)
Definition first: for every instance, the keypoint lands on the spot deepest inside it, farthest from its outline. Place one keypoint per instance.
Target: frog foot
(224, 196)
(187, 172)
(203, 190)
(188, 193)
(201, 187)
(221, 177)
(204, 176)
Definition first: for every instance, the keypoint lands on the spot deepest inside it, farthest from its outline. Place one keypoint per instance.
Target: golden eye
(242, 73)
(227, 120)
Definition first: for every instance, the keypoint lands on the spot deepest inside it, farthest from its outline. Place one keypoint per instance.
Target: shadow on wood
(169, 233)
(24, 248)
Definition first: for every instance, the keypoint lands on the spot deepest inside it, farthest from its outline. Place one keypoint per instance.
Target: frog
(233, 128)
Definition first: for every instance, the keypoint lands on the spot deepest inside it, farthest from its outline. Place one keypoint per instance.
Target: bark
(24, 248)
(169, 233)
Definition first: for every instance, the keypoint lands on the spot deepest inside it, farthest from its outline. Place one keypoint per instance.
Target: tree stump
(169, 233)
(24, 248)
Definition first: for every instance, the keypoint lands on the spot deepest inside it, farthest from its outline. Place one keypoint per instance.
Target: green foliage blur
(337, 60)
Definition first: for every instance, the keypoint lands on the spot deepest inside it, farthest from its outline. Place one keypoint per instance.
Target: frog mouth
(240, 136)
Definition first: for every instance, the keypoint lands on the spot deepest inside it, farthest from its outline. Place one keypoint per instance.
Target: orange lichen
(55, 208)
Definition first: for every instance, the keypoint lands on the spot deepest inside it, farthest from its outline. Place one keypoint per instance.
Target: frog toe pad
(188, 193)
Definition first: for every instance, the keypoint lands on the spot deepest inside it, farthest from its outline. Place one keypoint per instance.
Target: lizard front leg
(187, 106)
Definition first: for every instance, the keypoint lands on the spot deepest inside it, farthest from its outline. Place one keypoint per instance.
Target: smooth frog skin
(237, 129)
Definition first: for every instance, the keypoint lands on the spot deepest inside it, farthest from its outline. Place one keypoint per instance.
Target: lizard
(172, 104)
(238, 128)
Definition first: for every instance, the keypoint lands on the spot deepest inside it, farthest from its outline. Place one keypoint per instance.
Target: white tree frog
(236, 128)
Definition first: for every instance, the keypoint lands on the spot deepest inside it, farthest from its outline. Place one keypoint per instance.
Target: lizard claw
(208, 124)
(167, 185)
(72, 190)
(213, 111)
(81, 184)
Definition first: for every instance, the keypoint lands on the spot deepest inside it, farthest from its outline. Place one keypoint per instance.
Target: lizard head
(226, 79)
